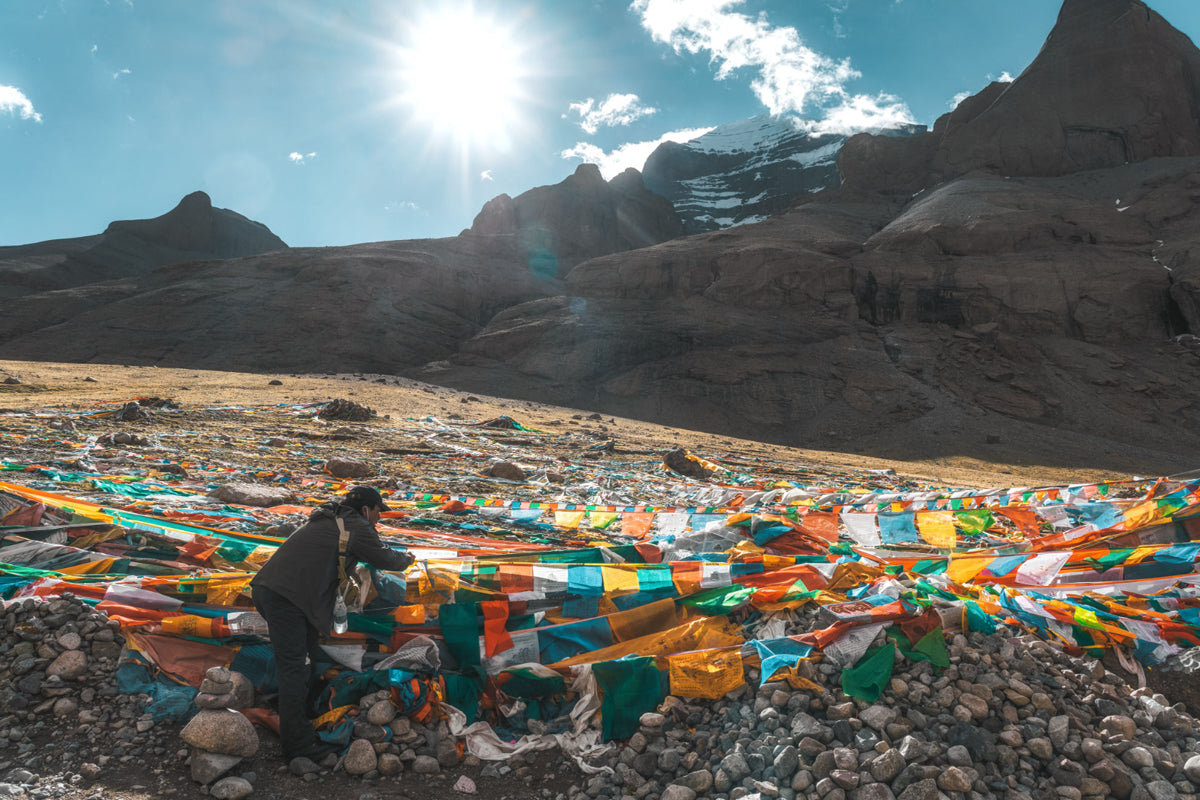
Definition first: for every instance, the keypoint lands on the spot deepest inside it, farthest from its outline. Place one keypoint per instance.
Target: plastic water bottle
(341, 623)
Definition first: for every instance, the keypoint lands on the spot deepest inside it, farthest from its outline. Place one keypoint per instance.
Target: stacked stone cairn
(219, 735)
(62, 719)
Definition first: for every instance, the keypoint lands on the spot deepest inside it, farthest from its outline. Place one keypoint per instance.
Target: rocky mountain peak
(581, 217)
(1114, 83)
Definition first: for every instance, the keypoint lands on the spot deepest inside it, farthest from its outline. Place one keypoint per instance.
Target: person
(295, 592)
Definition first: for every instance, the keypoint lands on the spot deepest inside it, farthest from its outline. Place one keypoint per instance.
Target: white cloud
(956, 101)
(486, 175)
(401, 205)
(95, 47)
(1005, 77)
(632, 154)
(14, 101)
(616, 109)
(301, 158)
(121, 72)
(790, 76)
(864, 113)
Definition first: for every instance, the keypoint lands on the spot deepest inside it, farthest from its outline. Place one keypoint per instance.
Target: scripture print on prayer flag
(861, 528)
(706, 674)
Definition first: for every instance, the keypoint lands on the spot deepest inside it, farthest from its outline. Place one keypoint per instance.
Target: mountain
(559, 226)
(381, 307)
(1114, 83)
(193, 230)
(1018, 284)
(745, 171)
(1004, 286)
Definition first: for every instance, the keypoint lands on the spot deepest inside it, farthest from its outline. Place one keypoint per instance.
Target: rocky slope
(1013, 303)
(193, 230)
(380, 307)
(746, 171)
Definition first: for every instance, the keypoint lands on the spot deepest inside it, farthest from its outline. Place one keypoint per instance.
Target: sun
(462, 77)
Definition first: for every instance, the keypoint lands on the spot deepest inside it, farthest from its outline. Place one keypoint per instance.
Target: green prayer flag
(460, 628)
(978, 619)
(631, 687)
(719, 600)
(867, 679)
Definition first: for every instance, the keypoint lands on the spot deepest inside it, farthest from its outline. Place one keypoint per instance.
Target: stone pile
(384, 745)
(60, 709)
(1012, 717)
(219, 736)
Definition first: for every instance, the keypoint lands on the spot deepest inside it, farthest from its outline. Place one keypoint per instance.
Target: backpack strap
(343, 546)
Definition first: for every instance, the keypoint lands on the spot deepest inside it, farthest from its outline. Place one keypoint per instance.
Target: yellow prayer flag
(601, 519)
(225, 592)
(962, 569)
(569, 520)
(937, 528)
(706, 674)
(619, 578)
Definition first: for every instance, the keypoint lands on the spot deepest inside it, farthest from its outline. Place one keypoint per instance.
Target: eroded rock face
(558, 226)
(1114, 83)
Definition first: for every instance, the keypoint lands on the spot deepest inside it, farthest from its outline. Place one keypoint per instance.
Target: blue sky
(344, 121)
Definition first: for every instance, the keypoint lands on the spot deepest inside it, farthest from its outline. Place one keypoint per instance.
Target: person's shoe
(317, 751)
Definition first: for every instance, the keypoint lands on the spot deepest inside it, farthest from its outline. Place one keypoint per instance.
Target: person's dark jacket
(304, 568)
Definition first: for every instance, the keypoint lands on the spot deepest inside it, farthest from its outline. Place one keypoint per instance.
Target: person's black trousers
(293, 637)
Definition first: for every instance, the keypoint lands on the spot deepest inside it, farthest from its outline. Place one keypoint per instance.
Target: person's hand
(410, 558)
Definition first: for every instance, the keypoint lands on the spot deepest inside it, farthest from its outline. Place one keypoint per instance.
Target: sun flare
(462, 77)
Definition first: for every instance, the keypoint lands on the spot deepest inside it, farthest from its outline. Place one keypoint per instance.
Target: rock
(1057, 731)
(360, 758)
(231, 789)
(875, 791)
(676, 791)
(700, 781)
(89, 771)
(878, 716)
(1191, 768)
(300, 766)
(1119, 726)
(65, 707)
(252, 494)
(464, 785)
(348, 410)
(221, 731)
(508, 471)
(926, 789)
(681, 461)
(1138, 757)
(390, 765)
(953, 779)
(886, 766)
(786, 763)
(1041, 748)
(349, 468)
(382, 713)
(426, 765)
(69, 665)
(207, 767)
(1162, 790)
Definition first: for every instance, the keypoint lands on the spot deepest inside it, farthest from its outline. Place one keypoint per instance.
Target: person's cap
(365, 497)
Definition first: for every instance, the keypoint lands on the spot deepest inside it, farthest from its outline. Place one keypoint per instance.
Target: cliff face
(582, 217)
(1114, 83)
